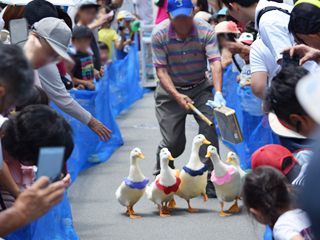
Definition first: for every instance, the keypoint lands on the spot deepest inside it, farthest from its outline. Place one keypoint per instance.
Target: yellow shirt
(108, 36)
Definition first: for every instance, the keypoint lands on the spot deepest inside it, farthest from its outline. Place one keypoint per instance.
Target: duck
(233, 158)
(134, 186)
(194, 175)
(226, 180)
(162, 190)
(176, 173)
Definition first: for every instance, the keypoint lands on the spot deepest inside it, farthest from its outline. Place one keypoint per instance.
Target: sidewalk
(98, 215)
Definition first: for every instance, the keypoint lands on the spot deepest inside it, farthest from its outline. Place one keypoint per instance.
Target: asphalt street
(98, 215)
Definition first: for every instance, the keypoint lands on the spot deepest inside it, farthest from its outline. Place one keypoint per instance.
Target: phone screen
(288, 61)
(50, 163)
(18, 31)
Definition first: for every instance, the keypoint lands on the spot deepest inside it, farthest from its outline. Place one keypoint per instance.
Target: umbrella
(54, 2)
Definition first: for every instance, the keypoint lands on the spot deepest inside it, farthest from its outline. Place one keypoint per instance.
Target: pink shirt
(24, 176)
(162, 13)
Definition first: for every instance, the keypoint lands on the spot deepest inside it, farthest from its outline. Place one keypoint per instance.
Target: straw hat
(227, 27)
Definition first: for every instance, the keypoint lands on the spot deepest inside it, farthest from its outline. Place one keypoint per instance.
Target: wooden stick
(200, 114)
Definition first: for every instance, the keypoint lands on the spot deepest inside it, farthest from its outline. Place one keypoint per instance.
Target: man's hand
(305, 52)
(37, 200)
(238, 78)
(237, 47)
(98, 128)
(183, 100)
(218, 101)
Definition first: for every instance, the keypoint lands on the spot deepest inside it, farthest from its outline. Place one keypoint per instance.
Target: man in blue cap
(181, 47)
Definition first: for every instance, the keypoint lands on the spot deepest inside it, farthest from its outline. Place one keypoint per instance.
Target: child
(87, 12)
(22, 136)
(124, 19)
(83, 71)
(266, 196)
(108, 35)
(245, 76)
(104, 53)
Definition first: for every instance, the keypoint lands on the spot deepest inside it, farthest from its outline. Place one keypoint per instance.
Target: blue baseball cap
(179, 7)
(222, 12)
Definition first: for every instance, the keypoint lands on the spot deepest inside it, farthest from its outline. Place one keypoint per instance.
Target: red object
(272, 155)
(61, 68)
(241, 26)
(170, 189)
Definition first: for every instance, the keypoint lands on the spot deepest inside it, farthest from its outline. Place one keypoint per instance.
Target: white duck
(166, 184)
(134, 186)
(194, 174)
(233, 158)
(176, 173)
(227, 181)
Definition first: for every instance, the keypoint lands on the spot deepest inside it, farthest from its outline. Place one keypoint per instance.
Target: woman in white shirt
(267, 197)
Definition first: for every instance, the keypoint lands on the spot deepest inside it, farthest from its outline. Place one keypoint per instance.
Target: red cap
(272, 155)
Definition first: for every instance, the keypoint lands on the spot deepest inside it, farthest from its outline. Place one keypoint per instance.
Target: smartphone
(288, 61)
(18, 31)
(230, 37)
(50, 163)
(121, 26)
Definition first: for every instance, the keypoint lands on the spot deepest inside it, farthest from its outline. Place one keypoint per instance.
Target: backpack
(268, 9)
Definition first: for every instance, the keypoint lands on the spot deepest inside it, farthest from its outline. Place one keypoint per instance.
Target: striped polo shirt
(186, 61)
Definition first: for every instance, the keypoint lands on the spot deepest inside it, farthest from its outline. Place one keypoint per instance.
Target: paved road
(97, 214)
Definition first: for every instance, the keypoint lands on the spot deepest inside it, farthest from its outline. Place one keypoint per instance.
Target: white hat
(203, 15)
(308, 94)
(246, 38)
(280, 129)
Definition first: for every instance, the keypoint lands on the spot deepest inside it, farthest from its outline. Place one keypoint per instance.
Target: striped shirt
(186, 61)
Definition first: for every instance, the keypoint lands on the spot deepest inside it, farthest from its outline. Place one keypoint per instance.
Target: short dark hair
(38, 96)
(242, 3)
(16, 74)
(266, 189)
(103, 46)
(34, 127)
(203, 4)
(281, 97)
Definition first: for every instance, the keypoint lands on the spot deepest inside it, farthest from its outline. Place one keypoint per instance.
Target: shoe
(210, 190)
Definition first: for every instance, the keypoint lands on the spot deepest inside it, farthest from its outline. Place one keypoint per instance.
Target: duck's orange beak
(229, 159)
(205, 141)
(171, 158)
(141, 156)
(209, 154)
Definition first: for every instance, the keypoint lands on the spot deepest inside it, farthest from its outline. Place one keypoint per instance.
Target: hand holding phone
(288, 61)
(50, 163)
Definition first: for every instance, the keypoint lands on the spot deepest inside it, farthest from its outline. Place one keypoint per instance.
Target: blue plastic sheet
(115, 92)
(255, 129)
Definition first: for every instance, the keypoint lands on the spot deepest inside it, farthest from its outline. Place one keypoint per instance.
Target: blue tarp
(115, 92)
(255, 129)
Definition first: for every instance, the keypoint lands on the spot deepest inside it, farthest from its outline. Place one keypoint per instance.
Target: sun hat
(126, 15)
(56, 32)
(246, 38)
(307, 91)
(272, 155)
(203, 15)
(226, 27)
(179, 7)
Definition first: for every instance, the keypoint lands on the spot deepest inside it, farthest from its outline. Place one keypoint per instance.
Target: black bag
(268, 9)
(159, 3)
(68, 84)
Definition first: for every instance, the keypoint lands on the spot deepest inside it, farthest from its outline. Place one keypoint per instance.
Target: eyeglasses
(53, 56)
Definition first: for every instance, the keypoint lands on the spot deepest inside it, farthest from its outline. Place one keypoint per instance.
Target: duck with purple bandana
(134, 186)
